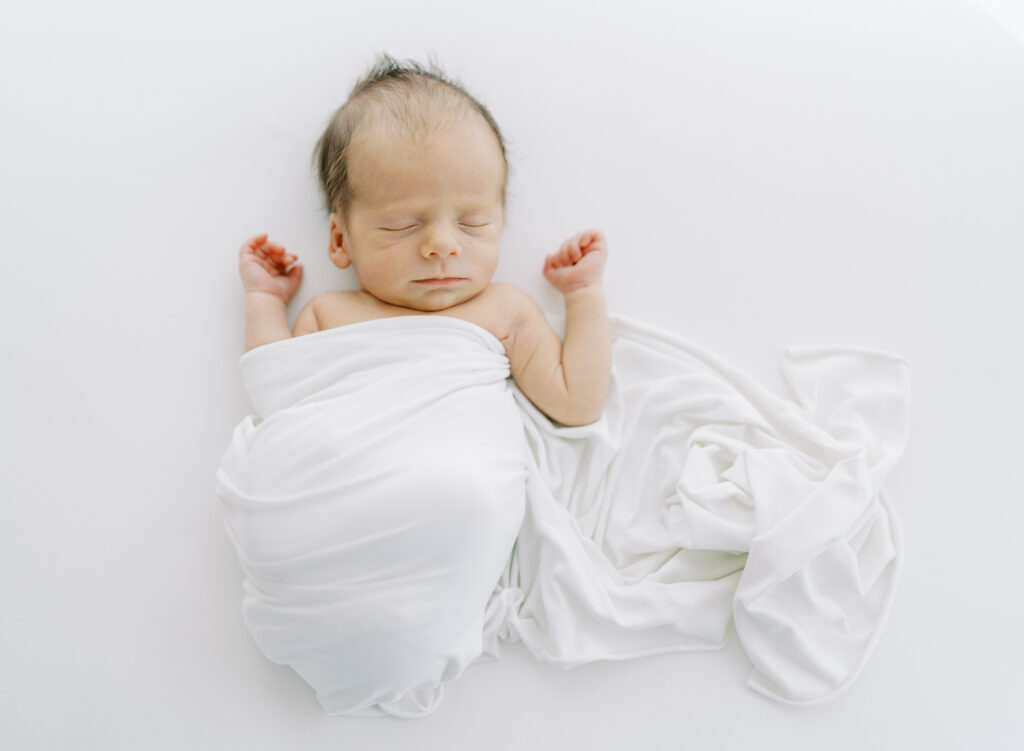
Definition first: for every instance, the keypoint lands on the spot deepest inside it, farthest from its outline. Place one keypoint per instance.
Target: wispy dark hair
(415, 97)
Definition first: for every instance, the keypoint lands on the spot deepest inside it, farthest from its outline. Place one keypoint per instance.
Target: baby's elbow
(581, 418)
(583, 409)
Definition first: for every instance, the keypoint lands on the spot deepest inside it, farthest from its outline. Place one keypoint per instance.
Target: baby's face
(423, 211)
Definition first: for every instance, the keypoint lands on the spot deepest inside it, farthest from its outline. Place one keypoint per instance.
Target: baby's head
(414, 173)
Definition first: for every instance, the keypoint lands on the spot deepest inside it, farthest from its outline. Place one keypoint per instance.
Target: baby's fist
(264, 267)
(579, 262)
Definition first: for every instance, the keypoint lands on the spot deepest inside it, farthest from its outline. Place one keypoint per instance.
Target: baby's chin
(434, 301)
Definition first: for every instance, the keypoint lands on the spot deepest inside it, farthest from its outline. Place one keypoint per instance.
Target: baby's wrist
(584, 290)
(260, 294)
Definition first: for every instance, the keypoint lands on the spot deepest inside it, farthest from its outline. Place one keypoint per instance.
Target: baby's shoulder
(340, 307)
(521, 316)
(335, 298)
(508, 296)
(496, 308)
(516, 304)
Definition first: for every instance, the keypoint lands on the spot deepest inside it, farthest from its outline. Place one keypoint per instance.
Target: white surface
(767, 174)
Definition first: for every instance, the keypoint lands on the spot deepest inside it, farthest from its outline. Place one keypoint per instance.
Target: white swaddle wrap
(399, 507)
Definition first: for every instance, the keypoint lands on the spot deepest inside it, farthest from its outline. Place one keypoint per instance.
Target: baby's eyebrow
(393, 212)
(405, 209)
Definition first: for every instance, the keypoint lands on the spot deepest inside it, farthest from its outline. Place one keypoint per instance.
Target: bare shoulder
(510, 309)
(519, 307)
(534, 352)
(508, 298)
(529, 332)
(326, 311)
(337, 300)
(342, 307)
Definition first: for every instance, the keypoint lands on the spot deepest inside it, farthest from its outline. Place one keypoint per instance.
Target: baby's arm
(568, 382)
(269, 286)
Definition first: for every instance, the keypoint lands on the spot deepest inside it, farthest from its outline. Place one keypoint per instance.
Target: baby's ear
(338, 244)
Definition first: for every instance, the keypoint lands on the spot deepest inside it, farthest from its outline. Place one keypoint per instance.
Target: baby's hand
(262, 266)
(579, 262)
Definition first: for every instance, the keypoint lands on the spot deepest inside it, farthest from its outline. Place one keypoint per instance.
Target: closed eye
(397, 229)
(467, 224)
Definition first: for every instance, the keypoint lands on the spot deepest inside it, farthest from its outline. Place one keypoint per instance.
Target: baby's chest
(487, 310)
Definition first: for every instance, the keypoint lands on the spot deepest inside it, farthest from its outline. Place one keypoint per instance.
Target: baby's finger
(249, 247)
(286, 257)
(276, 257)
(593, 237)
(276, 252)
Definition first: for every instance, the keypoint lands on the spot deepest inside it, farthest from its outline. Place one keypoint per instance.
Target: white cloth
(399, 508)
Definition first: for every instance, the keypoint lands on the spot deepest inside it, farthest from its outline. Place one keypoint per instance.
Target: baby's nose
(439, 243)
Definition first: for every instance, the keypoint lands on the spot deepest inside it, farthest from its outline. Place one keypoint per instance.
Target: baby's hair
(411, 96)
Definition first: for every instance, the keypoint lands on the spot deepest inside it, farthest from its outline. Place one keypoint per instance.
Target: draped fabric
(400, 508)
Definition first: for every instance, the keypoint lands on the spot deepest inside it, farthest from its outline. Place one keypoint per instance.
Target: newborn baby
(400, 505)
(377, 493)
(414, 175)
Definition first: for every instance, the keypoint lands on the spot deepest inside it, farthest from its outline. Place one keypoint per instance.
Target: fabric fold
(400, 508)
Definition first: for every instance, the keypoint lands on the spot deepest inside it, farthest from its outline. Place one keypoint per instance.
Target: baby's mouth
(440, 280)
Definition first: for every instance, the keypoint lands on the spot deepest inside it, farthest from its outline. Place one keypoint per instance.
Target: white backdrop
(794, 172)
